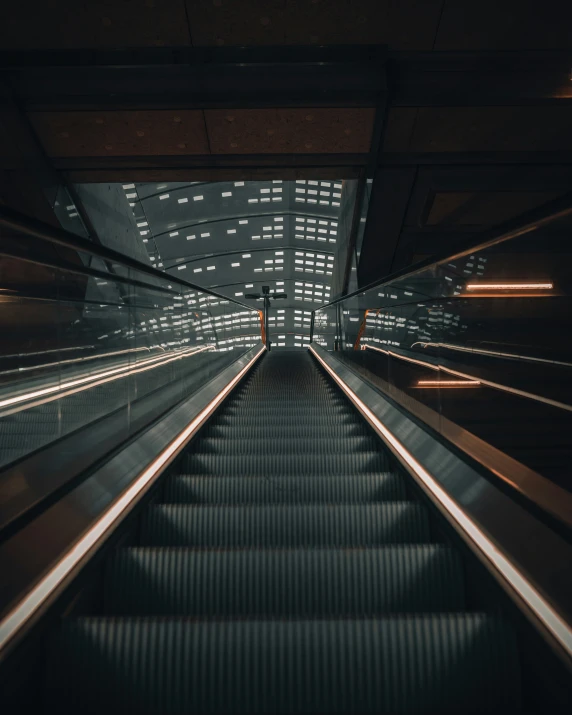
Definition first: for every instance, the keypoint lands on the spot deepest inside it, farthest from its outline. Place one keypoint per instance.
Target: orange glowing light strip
(14, 620)
(262, 330)
(559, 629)
(488, 383)
(448, 383)
(509, 286)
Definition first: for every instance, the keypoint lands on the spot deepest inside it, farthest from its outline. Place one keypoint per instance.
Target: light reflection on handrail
(83, 383)
(488, 383)
(46, 352)
(73, 360)
(493, 353)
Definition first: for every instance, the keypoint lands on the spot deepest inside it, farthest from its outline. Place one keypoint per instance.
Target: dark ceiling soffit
(352, 240)
(390, 195)
(284, 76)
(218, 77)
(479, 78)
(376, 149)
(208, 174)
(475, 158)
(39, 165)
(193, 56)
(211, 161)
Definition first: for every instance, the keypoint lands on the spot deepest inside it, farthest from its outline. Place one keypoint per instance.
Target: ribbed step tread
(290, 430)
(255, 419)
(298, 464)
(284, 526)
(423, 664)
(264, 446)
(303, 583)
(359, 489)
(309, 391)
(286, 411)
(317, 399)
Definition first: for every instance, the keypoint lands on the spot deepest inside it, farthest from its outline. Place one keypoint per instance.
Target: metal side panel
(25, 484)
(39, 560)
(529, 559)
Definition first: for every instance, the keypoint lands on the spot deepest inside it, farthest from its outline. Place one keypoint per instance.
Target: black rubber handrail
(22, 224)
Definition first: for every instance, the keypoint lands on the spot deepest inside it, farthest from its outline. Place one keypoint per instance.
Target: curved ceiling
(235, 237)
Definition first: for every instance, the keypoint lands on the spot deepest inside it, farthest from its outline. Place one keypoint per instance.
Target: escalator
(285, 566)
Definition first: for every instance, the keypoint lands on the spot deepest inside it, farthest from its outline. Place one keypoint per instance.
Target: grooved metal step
(292, 402)
(270, 464)
(355, 489)
(263, 420)
(462, 663)
(287, 525)
(272, 446)
(277, 408)
(303, 583)
(292, 430)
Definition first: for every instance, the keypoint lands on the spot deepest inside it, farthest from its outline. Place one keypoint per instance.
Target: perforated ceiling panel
(235, 237)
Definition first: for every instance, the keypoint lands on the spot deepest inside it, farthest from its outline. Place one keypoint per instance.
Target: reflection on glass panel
(88, 342)
(477, 347)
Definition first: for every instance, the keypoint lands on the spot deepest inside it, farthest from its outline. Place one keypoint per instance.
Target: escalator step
(293, 402)
(302, 583)
(284, 412)
(299, 464)
(359, 489)
(283, 445)
(275, 419)
(291, 430)
(283, 526)
(461, 663)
